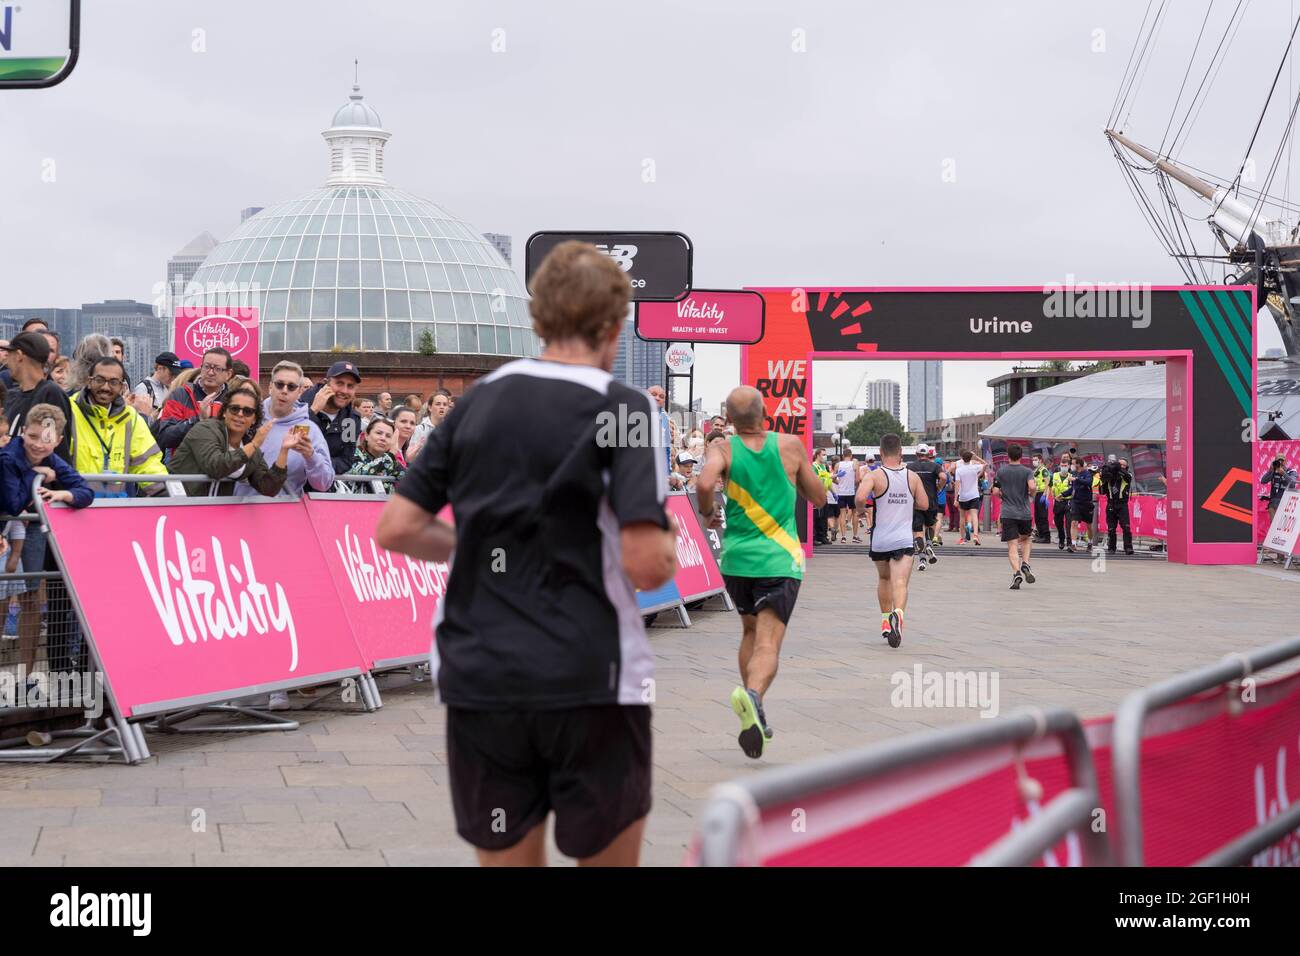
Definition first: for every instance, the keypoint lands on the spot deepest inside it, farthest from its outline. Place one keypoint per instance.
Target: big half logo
(217, 330)
(7, 29)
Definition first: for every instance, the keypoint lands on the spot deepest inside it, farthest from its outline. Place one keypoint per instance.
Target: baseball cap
(32, 344)
(170, 360)
(186, 363)
(343, 368)
(686, 458)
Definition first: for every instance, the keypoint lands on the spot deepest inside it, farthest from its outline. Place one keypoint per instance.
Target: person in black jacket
(28, 354)
(330, 405)
(1117, 484)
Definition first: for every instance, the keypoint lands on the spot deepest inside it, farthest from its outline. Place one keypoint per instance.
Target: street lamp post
(838, 449)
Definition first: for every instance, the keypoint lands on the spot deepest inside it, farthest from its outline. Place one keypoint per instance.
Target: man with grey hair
(762, 559)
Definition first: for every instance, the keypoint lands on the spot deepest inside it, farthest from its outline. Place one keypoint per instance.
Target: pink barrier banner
(1209, 776)
(706, 315)
(1265, 452)
(199, 328)
(697, 572)
(187, 603)
(1148, 515)
(389, 599)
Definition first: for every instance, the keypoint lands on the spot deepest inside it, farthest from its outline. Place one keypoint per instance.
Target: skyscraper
(885, 394)
(639, 364)
(924, 394)
(143, 333)
(182, 266)
(501, 242)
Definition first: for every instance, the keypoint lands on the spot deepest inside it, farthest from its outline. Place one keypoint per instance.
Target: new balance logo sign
(623, 255)
(74, 909)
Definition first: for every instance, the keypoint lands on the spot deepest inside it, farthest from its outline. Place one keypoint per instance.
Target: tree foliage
(868, 428)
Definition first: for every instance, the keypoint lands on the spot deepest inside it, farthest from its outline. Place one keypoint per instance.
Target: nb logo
(623, 255)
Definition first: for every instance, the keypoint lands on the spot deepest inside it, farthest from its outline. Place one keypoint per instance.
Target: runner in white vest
(898, 492)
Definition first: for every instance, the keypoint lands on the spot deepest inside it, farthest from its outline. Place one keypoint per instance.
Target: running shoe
(1029, 575)
(1016, 581)
(895, 635)
(753, 726)
(1060, 545)
(930, 555)
(856, 539)
(921, 565)
(977, 541)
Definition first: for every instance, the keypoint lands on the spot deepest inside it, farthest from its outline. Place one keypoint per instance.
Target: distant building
(886, 395)
(833, 418)
(924, 394)
(639, 363)
(249, 212)
(1019, 382)
(500, 242)
(951, 436)
(182, 266)
(143, 333)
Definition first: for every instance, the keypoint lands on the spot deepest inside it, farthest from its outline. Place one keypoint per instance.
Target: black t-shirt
(543, 463)
(928, 472)
(1013, 482)
(46, 392)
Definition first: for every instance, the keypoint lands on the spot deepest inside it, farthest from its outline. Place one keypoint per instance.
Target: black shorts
(1081, 513)
(891, 555)
(509, 768)
(924, 519)
(751, 595)
(846, 502)
(972, 505)
(832, 507)
(1013, 528)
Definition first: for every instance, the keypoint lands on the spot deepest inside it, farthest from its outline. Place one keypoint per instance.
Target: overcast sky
(785, 166)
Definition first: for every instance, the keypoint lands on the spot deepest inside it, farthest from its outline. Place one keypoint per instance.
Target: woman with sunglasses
(228, 448)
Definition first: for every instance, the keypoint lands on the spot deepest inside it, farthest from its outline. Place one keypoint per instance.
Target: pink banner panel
(188, 602)
(199, 328)
(697, 572)
(706, 315)
(389, 599)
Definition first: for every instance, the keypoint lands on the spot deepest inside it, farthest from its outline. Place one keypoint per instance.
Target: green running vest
(761, 540)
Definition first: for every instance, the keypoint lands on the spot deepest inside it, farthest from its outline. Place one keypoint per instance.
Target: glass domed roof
(361, 265)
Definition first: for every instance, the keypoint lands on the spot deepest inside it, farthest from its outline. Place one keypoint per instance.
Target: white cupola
(356, 142)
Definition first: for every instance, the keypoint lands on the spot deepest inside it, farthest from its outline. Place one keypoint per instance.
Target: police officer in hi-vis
(1061, 481)
(1042, 479)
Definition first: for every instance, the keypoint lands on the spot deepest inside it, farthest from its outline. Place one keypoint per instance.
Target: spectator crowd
(76, 421)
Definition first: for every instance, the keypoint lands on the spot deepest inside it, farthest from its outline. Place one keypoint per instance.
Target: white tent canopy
(1120, 405)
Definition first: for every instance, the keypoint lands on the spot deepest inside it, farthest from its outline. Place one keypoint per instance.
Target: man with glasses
(309, 461)
(108, 434)
(200, 399)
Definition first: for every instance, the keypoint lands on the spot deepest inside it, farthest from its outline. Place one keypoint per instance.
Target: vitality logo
(7, 29)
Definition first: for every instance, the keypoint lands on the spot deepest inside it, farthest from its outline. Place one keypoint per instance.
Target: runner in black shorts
(1015, 485)
(542, 659)
(924, 523)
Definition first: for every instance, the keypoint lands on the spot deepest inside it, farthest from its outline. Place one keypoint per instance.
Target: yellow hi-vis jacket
(115, 439)
(1061, 482)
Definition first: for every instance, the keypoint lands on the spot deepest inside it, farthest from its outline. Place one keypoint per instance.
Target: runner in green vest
(762, 559)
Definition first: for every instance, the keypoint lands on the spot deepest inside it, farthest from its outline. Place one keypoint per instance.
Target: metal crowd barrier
(1127, 753)
(735, 807)
(351, 485)
(51, 633)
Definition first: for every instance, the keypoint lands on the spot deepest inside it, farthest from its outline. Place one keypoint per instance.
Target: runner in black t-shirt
(540, 654)
(924, 523)
(1015, 485)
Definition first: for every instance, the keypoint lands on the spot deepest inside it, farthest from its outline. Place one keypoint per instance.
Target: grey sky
(816, 167)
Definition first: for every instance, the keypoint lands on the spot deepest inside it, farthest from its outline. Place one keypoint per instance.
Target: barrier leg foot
(92, 743)
(171, 723)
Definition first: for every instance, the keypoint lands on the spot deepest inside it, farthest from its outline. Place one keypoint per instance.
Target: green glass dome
(361, 265)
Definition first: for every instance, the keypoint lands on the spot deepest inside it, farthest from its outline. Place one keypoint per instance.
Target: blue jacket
(16, 476)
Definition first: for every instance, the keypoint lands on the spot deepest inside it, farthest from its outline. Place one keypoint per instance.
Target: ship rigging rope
(1186, 73)
(1220, 54)
(1149, 213)
(1116, 106)
(1260, 122)
(1156, 25)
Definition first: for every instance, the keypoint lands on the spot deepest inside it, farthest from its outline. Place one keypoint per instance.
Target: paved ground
(355, 788)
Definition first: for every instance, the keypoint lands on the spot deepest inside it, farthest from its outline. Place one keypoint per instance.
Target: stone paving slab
(355, 789)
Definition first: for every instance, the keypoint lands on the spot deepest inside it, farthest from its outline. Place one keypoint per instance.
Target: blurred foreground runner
(541, 655)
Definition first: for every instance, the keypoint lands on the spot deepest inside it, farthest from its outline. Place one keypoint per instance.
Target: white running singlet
(893, 528)
(846, 477)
